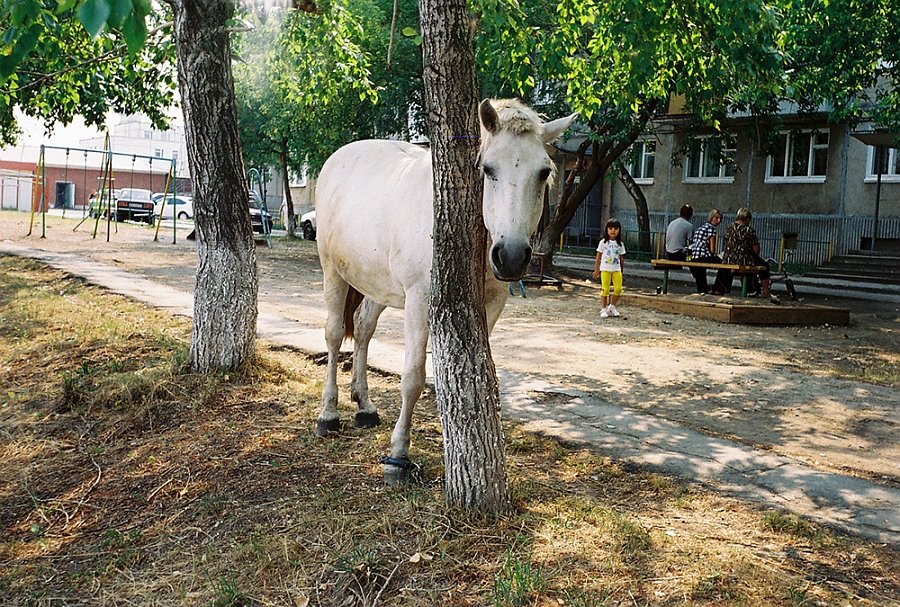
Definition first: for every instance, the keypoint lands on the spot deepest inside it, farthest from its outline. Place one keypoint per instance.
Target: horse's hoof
(367, 420)
(396, 476)
(328, 425)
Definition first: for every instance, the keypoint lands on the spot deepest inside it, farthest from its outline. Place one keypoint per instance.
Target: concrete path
(846, 503)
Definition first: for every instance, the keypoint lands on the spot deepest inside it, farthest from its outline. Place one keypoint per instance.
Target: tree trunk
(291, 218)
(640, 204)
(465, 378)
(603, 155)
(225, 292)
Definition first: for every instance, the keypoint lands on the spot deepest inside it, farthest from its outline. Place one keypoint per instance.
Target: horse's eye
(544, 174)
(489, 172)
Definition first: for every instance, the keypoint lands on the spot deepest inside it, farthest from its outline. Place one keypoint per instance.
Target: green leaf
(93, 15)
(65, 5)
(119, 11)
(409, 32)
(134, 30)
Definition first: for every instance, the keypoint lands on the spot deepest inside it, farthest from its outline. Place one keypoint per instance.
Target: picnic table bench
(744, 271)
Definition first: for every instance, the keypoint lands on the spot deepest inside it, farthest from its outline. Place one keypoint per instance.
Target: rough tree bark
(465, 378)
(225, 292)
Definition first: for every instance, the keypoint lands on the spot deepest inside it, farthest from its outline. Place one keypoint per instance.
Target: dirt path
(792, 390)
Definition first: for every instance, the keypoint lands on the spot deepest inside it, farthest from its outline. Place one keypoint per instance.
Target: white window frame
(893, 165)
(810, 161)
(723, 176)
(645, 152)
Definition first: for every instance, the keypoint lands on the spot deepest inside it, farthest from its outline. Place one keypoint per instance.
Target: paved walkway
(849, 504)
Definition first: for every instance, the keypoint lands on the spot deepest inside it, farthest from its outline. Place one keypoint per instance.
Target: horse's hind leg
(366, 321)
(335, 295)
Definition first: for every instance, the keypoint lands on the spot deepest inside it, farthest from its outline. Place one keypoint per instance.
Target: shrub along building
(818, 193)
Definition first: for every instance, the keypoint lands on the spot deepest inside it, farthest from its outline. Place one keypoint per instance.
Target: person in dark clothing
(741, 248)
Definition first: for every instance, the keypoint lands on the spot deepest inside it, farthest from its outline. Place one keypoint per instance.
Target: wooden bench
(744, 271)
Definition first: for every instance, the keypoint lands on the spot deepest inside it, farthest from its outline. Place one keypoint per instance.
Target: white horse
(375, 216)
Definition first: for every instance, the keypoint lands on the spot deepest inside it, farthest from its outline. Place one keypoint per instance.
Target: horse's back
(374, 217)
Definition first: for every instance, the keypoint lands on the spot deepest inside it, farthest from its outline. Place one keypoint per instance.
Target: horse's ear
(555, 128)
(488, 115)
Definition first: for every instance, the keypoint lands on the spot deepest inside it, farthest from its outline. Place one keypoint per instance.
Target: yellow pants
(610, 277)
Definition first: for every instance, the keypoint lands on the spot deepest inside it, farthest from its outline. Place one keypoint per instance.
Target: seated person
(703, 249)
(741, 248)
(679, 234)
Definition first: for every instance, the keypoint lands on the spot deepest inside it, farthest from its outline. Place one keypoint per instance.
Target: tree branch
(308, 6)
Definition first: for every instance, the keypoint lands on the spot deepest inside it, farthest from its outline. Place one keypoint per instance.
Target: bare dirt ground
(825, 395)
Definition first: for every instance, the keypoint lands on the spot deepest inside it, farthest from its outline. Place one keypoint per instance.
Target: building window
(157, 153)
(799, 156)
(890, 164)
(710, 160)
(644, 154)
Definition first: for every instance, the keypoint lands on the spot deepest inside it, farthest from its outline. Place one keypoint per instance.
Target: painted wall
(846, 190)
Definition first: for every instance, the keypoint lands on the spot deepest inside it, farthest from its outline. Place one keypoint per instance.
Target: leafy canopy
(61, 60)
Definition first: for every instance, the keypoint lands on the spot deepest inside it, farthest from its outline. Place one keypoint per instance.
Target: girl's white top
(609, 255)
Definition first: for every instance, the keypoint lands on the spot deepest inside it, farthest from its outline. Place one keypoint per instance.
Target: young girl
(609, 265)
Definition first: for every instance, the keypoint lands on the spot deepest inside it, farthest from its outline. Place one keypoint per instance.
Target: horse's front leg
(365, 323)
(335, 295)
(495, 295)
(415, 327)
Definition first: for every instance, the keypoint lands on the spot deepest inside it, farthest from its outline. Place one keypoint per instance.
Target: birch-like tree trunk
(465, 378)
(225, 292)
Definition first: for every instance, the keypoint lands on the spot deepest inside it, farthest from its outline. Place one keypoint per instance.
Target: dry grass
(125, 480)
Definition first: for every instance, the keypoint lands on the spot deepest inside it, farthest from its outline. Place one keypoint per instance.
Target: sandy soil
(797, 391)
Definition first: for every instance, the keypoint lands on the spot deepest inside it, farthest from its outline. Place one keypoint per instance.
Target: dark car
(259, 214)
(135, 204)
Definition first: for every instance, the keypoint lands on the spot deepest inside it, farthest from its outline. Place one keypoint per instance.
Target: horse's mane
(517, 118)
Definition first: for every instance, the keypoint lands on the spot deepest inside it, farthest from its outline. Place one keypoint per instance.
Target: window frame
(644, 154)
(893, 162)
(722, 177)
(789, 137)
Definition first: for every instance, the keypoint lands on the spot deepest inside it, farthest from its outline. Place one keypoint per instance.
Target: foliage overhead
(62, 59)
(615, 61)
(307, 84)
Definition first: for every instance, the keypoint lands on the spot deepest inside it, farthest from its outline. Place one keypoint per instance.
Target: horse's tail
(354, 298)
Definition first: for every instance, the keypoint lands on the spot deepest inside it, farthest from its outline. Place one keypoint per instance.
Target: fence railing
(795, 255)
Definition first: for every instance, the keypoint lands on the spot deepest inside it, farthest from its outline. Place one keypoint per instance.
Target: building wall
(845, 192)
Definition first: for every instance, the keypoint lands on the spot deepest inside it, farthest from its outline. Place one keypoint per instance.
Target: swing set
(104, 202)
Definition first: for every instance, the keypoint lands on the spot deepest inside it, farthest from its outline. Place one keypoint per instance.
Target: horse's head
(516, 170)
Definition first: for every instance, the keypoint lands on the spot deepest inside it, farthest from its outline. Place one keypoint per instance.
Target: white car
(308, 225)
(178, 206)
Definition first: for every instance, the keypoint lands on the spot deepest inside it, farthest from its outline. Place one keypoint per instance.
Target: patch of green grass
(519, 580)
(793, 525)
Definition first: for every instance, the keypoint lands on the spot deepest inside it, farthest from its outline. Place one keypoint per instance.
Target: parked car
(183, 207)
(259, 214)
(308, 225)
(97, 205)
(135, 204)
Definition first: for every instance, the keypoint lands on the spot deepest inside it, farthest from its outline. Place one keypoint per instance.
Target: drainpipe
(750, 173)
(842, 189)
(879, 156)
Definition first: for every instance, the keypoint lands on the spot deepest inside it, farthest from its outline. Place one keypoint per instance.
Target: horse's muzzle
(509, 261)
